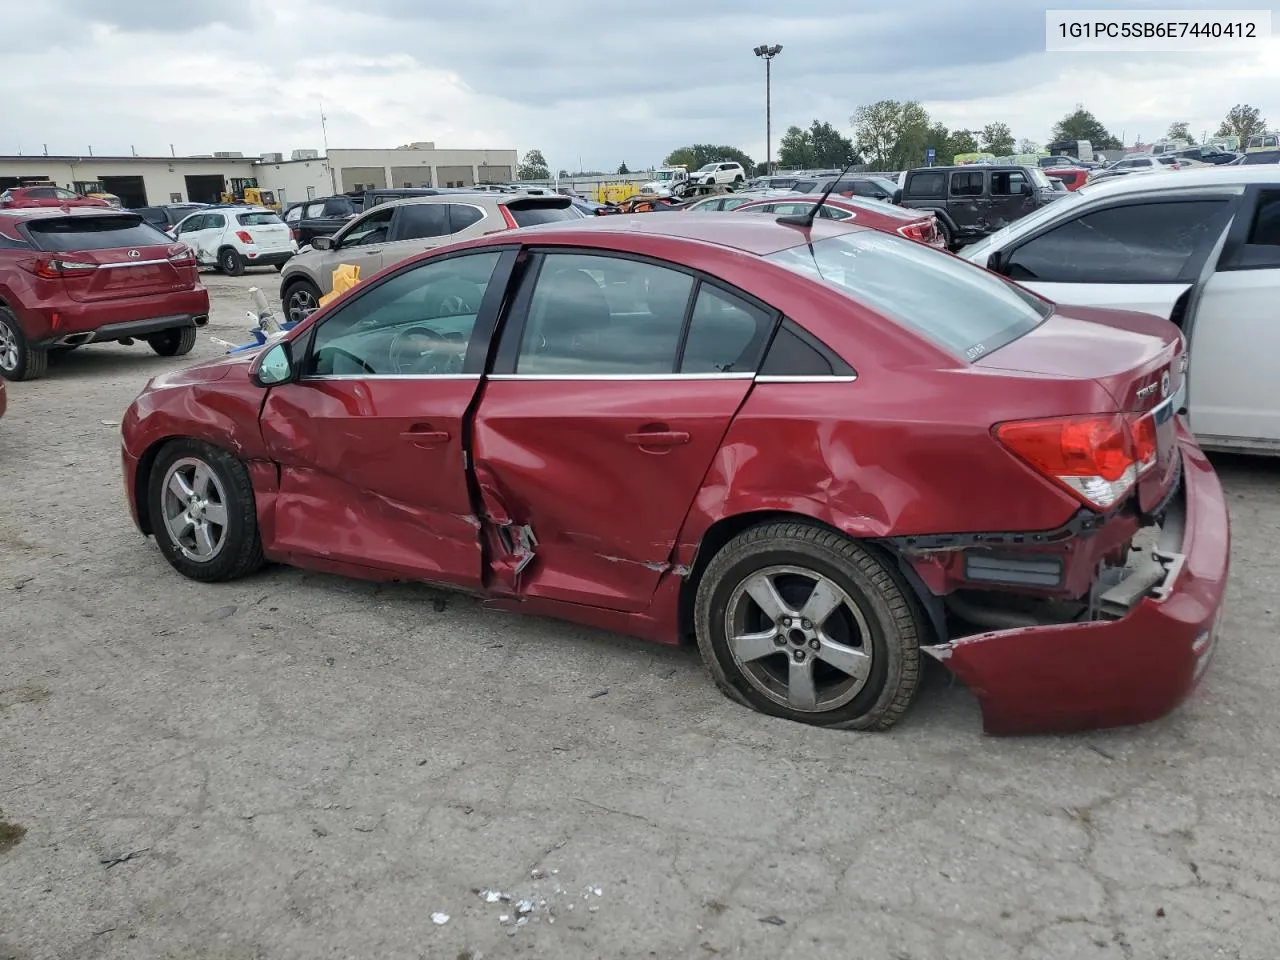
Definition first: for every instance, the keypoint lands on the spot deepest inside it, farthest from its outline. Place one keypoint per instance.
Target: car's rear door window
(464, 215)
(928, 185)
(966, 184)
(960, 307)
(726, 333)
(593, 315)
(93, 233)
(419, 221)
(1153, 242)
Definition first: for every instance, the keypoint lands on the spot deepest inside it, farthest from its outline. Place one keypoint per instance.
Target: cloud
(567, 77)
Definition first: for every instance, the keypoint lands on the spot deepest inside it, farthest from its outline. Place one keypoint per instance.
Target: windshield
(958, 306)
(708, 167)
(1032, 219)
(665, 175)
(257, 219)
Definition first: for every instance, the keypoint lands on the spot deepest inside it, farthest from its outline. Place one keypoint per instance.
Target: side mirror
(995, 262)
(897, 196)
(1025, 189)
(273, 366)
(322, 243)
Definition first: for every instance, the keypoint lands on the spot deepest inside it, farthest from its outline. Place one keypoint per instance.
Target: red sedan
(912, 224)
(46, 196)
(825, 453)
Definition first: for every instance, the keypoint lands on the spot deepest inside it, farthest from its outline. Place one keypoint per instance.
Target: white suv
(719, 173)
(232, 238)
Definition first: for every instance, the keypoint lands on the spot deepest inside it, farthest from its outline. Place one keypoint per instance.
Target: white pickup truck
(664, 179)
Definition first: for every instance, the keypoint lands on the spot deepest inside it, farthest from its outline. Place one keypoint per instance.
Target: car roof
(1191, 178)
(852, 203)
(27, 213)
(757, 235)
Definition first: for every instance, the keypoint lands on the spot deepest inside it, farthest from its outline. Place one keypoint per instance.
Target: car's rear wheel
(800, 622)
(737, 178)
(19, 359)
(299, 299)
(174, 342)
(203, 513)
(230, 262)
(944, 234)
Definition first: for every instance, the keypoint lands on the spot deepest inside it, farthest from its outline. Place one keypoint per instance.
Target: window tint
(1009, 183)
(372, 229)
(42, 193)
(94, 233)
(314, 211)
(726, 334)
(421, 220)
(926, 184)
(1265, 229)
(791, 356)
(529, 213)
(595, 315)
(257, 219)
(1133, 243)
(191, 224)
(1262, 156)
(966, 184)
(959, 306)
(463, 215)
(65, 194)
(214, 221)
(416, 322)
(337, 207)
(294, 215)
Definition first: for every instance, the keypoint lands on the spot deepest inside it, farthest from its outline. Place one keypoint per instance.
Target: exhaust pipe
(74, 340)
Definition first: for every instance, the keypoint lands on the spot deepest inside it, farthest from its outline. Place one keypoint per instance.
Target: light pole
(768, 52)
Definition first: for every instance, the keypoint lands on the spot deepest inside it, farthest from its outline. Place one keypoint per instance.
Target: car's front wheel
(174, 342)
(203, 512)
(299, 299)
(19, 359)
(800, 622)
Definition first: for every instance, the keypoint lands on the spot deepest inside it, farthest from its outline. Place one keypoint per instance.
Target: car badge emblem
(134, 254)
(1143, 392)
(1164, 384)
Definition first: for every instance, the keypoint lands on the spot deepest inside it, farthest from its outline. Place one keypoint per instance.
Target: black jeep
(974, 200)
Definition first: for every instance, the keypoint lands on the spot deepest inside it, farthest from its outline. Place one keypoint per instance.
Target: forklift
(246, 190)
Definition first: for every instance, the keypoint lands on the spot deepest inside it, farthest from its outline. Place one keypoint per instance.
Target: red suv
(46, 196)
(87, 275)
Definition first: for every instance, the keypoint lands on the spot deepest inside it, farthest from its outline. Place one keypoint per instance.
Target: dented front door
(370, 442)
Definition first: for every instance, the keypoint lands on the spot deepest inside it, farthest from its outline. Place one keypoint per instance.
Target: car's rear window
(257, 219)
(94, 233)
(530, 213)
(960, 307)
(1262, 156)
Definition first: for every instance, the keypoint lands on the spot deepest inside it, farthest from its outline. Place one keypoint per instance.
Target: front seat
(573, 316)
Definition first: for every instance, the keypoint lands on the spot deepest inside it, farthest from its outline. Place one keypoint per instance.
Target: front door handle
(658, 438)
(425, 436)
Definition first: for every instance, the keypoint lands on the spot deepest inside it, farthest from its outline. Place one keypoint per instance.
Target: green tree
(622, 169)
(1242, 121)
(1179, 131)
(961, 141)
(699, 154)
(533, 167)
(997, 138)
(822, 145)
(1028, 146)
(1080, 124)
(890, 135)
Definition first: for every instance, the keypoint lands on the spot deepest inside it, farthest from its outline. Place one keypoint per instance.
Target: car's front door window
(416, 323)
(372, 229)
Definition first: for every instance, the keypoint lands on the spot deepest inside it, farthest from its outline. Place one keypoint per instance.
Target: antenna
(324, 129)
(806, 219)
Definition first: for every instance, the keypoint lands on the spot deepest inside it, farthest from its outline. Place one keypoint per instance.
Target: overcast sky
(568, 78)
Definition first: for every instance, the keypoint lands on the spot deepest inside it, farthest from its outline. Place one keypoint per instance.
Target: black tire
(174, 342)
(240, 553)
(279, 268)
(294, 296)
(945, 233)
(19, 359)
(230, 262)
(883, 601)
(738, 178)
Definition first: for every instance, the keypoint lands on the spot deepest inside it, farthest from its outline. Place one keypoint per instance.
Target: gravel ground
(298, 766)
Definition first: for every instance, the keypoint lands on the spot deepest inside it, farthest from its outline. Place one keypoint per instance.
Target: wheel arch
(725, 528)
(142, 482)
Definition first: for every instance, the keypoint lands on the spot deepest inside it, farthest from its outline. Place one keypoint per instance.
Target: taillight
(1094, 457)
(244, 236)
(1145, 446)
(506, 215)
(51, 268)
(920, 232)
(182, 256)
(293, 232)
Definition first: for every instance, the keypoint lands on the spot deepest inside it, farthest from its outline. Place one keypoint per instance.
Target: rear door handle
(425, 437)
(658, 438)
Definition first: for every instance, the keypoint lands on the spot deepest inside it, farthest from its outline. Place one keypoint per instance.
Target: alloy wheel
(195, 509)
(8, 348)
(301, 303)
(799, 638)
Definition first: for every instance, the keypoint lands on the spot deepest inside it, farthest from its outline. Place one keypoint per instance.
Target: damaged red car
(826, 453)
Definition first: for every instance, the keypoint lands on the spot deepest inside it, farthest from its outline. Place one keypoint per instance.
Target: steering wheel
(338, 351)
(414, 345)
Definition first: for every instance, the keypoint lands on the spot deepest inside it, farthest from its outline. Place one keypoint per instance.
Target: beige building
(140, 181)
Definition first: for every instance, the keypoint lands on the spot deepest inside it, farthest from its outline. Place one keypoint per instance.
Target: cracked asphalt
(299, 766)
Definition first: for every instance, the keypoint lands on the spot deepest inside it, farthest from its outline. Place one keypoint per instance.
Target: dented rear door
(589, 446)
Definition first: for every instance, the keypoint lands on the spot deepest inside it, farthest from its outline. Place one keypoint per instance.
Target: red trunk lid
(125, 272)
(1135, 357)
